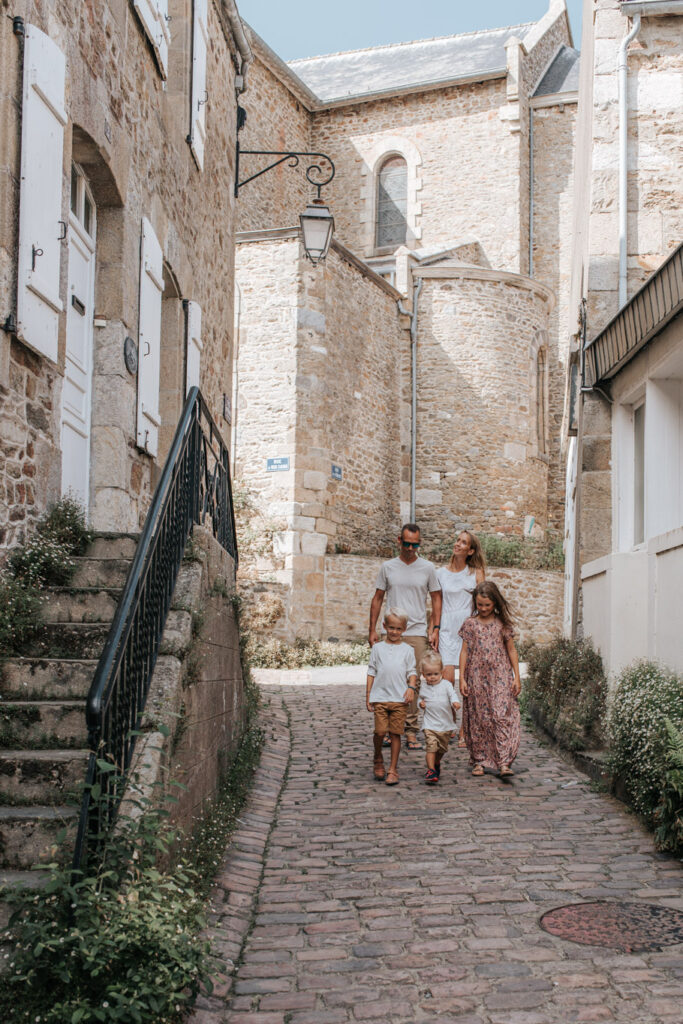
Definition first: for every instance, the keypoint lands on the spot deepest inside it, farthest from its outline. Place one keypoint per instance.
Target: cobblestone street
(423, 904)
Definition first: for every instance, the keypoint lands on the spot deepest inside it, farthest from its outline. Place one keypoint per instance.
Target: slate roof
(400, 66)
(562, 75)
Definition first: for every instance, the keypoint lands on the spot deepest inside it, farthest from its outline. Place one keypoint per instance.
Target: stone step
(40, 776)
(37, 725)
(85, 640)
(87, 605)
(80, 640)
(18, 880)
(105, 573)
(113, 545)
(28, 835)
(46, 678)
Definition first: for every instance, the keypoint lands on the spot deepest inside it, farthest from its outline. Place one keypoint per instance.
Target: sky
(307, 28)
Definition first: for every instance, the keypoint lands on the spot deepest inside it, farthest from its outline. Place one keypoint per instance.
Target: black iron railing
(194, 488)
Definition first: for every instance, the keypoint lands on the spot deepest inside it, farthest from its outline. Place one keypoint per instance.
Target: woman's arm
(462, 669)
(480, 575)
(514, 661)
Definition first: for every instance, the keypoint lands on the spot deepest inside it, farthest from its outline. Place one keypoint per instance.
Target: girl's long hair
(474, 561)
(500, 606)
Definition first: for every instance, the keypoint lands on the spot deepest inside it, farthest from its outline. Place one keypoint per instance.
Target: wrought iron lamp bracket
(317, 175)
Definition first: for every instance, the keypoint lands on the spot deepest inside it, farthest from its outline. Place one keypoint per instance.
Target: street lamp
(317, 223)
(317, 227)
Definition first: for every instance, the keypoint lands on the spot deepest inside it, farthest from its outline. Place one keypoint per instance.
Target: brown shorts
(390, 717)
(436, 742)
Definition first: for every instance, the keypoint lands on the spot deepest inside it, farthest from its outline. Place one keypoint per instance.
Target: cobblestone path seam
(421, 905)
(234, 897)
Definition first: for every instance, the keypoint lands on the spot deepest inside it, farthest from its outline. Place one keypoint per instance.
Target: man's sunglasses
(410, 544)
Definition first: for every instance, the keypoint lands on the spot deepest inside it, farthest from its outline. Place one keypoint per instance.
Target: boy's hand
(423, 704)
(456, 705)
(369, 706)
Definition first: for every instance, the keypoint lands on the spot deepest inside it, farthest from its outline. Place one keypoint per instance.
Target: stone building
(625, 439)
(116, 243)
(420, 372)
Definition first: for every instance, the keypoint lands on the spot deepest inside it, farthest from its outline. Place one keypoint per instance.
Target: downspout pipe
(622, 76)
(417, 288)
(531, 191)
(240, 37)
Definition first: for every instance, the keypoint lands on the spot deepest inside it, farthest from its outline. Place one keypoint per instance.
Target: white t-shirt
(438, 710)
(392, 665)
(407, 587)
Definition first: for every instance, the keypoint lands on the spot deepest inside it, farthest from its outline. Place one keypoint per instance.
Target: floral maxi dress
(491, 722)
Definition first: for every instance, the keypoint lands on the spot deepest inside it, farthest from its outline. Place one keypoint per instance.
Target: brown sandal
(392, 778)
(478, 770)
(506, 771)
(378, 767)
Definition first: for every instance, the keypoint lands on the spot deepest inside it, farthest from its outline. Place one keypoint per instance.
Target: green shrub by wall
(566, 691)
(645, 697)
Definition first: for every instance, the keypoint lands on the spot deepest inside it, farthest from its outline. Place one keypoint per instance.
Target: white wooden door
(77, 387)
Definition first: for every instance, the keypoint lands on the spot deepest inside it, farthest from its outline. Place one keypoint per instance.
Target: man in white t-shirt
(407, 581)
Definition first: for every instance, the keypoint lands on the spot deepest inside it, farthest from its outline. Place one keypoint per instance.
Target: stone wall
(478, 460)
(127, 129)
(318, 385)
(554, 135)
(276, 120)
(466, 167)
(535, 598)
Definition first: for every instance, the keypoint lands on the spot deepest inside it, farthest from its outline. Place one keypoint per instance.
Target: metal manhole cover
(631, 927)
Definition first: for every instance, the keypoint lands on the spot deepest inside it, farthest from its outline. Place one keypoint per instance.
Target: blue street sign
(337, 472)
(278, 465)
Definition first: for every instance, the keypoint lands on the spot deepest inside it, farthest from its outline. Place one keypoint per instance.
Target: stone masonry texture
(535, 598)
(127, 130)
(340, 900)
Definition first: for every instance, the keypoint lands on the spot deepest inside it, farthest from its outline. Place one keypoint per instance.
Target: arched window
(392, 203)
(541, 399)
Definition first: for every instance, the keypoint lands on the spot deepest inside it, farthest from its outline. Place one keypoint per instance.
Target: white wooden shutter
(153, 15)
(200, 38)
(40, 199)
(149, 339)
(193, 351)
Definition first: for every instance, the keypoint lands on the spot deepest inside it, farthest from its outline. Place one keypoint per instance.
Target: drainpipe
(622, 74)
(417, 288)
(239, 35)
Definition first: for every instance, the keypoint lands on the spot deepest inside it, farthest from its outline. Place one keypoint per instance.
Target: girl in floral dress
(490, 683)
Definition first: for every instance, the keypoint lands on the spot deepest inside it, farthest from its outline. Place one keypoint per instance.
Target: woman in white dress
(458, 579)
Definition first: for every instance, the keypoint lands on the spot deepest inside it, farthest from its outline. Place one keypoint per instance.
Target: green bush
(669, 814)
(19, 614)
(566, 691)
(508, 552)
(272, 653)
(46, 559)
(65, 522)
(645, 697)
(43, 560)
(120, 943)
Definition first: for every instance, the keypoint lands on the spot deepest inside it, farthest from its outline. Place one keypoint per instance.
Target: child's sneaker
(431, 777)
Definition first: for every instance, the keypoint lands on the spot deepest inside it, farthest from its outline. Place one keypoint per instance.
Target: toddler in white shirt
(440, 703)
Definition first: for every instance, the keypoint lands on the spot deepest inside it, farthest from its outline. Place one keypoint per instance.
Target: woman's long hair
(476, 559)
(500, 606)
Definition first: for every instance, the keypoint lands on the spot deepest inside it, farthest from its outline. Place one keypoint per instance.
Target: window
(639, 474)
(541, 399)
(392, 203)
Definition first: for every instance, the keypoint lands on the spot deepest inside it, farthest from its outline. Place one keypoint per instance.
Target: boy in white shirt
(391, 686)
(440, 703)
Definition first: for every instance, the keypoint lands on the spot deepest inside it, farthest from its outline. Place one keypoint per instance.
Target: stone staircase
(43, 736)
